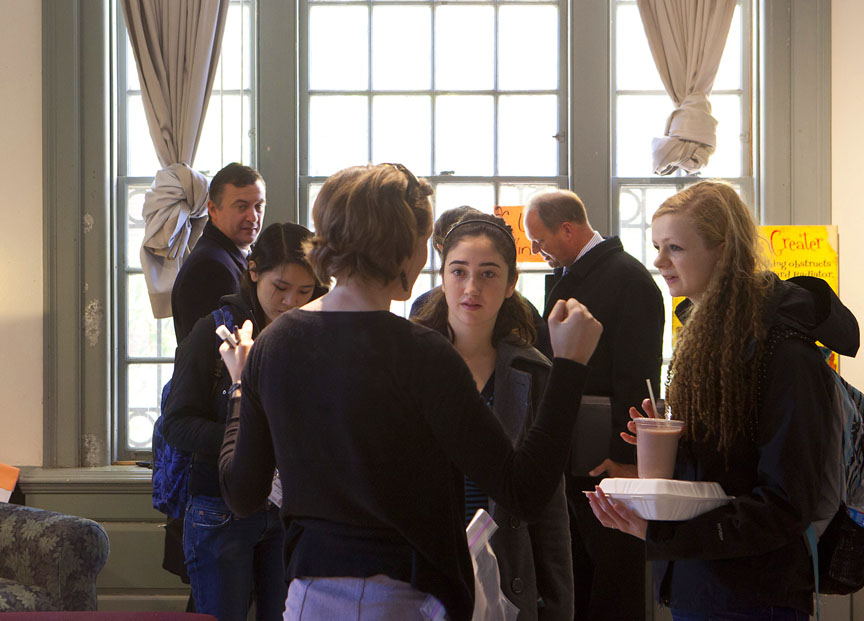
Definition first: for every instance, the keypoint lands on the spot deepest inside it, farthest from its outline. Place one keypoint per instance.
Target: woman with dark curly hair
(373, 420)
(756, 398)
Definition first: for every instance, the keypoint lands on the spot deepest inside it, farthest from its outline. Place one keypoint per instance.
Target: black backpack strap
(776, 335)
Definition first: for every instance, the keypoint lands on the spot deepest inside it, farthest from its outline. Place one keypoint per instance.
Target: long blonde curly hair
(713, 381)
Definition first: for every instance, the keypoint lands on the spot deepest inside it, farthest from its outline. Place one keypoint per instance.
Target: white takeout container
(665, 499)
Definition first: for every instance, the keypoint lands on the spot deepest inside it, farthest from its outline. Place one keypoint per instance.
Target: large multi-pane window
(144, 345)
(640, 108)
(474, 95)
(470, 95)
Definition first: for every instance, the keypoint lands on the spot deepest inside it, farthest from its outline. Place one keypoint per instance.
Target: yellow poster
(803, 251)
(799, 250)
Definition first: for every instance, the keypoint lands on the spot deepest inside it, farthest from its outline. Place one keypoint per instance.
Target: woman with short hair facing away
(373, 420)
(233, 560)
(479, 310)
(755, 395)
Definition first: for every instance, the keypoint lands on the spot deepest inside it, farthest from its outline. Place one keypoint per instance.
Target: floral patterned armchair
(48, 561)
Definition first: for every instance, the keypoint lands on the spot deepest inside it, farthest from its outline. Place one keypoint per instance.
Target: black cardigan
(372, 421)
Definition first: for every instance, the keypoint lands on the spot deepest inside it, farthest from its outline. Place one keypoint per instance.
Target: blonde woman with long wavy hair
(755, 395)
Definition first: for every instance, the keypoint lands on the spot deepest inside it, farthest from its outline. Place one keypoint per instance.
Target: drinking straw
(651, 395)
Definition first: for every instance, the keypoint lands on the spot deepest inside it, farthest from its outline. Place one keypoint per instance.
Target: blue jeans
(230, 559)
(769, 613)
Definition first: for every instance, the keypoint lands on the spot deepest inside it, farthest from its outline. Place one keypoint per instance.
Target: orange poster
(513, 217)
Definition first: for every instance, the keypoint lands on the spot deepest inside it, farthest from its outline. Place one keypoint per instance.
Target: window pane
(144, 393)
(527, 47)
(225, 136)
(314, 188)
(640, 119)
(634, 65)
(146, 337)
(518, 194)
(421, 286)
(402, 132)
(338, 48)
(401, 38)
(464, 47)
(132, 82)
(464, 134)
(729, 73)
(526, 126)
(477, 195)
(139, 146)
(726, 159)
(338, 133)
(232, 58)
(135, 225)
(532, 285)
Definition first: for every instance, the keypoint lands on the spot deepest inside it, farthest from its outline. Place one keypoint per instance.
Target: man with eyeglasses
(608, 568)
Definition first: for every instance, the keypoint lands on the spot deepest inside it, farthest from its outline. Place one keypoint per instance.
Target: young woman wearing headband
(479, 310)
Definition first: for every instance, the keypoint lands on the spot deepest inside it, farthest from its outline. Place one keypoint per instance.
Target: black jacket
(751, 552)
(622, 295)
(197, 404)
(211, 270)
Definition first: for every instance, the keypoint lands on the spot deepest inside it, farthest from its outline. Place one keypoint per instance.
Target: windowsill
(83, 480)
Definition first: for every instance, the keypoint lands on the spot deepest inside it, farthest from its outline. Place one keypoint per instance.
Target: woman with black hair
(228, 557)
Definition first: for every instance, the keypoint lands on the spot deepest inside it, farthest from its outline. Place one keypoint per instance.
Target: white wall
(21, 215)
(847, 159)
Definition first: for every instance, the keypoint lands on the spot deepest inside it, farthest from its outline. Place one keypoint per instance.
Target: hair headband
(486, 222)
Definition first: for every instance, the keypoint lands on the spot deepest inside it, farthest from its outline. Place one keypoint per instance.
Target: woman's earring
(404, 278)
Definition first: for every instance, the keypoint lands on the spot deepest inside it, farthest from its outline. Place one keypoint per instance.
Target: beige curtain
(176, 46)
(686, 38)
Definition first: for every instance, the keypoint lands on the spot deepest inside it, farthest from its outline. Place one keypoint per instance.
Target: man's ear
(211, 207)
(568, 229)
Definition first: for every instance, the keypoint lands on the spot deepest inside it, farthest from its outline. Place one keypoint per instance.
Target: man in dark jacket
(609, 569)
(213, 268)
(236, 208)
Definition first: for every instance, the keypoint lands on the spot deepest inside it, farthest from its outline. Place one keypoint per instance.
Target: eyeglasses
(413, 184)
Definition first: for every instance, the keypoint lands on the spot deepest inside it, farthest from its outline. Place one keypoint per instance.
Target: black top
(372, 421)
(476, 498)
(751, 552)
(197, 404)
(621, 294)
(211, 270)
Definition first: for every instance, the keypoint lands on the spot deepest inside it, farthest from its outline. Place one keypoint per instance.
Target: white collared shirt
(596, 239)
